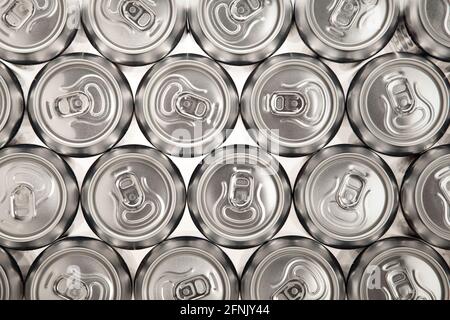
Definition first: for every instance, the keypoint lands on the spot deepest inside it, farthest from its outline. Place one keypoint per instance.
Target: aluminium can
(346, 196)
(187, 105)
(78, 268)
(134, 32)
(80, 105)
(39, 197)
(292, 104)
(399, 104)
(133, 197)
(11, 282)
(346, 30)
(35, 31)
(185, 269)
(292, 268)
(239, 196)
(399, 269)
(240, 32)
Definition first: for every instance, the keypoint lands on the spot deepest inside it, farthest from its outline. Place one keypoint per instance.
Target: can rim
(13, 274)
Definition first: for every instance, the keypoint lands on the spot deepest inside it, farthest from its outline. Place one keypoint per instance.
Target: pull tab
(18, 13)
(444, 183)
(344, 14)
(400, 284)
(192, 106)
(130, 190)
(242, 10)
(69, 288)
(242, 187)
(291, 290)
(400, 94)
(287, 103)
(23, 203)
(350, 190)
(193, 289)
(138, 15)
(72, 104)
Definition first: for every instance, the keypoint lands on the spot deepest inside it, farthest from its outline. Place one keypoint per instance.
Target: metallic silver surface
(11, 283)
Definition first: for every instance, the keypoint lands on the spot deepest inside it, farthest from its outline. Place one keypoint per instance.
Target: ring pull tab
(73, 104)
(291, 290)
(443, 176)
(18, 13)
(23, 203)
(399, 282)
(400, 94)
(242, 185)
(242, 10)
(193, 289)
(343, 16)
(287, 103)
(193, 106)
(138, 14)
(350, 190)
(130, 190)
(70, 286)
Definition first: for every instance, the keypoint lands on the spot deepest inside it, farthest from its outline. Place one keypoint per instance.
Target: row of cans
(289, 268)
(136, 32)
(239, 197)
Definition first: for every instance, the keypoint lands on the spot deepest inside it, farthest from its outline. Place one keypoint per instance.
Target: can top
(399, 269)
(80, 104)
(78, 269)
(240, 31)
(428, 23)
(133, 197)
(134, 32)
(11, 283)
(293, 268)
(398, 104)
(239, 196)
(426, 196)
(38, 197)
(186, 269)
(292, 104)
(34, 31)
(187, 105)
(346, 196)
(346, 30)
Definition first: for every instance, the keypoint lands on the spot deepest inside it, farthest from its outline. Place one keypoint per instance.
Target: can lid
(186, 268)
(426, 196)
(11, 283)
(80, 104)
(346, 196)
(293, 268)
(133, 197)
(398, 104)
(399, 269)
(239, 196)
(38, 197)
(134, 32)
(240, 31)
(292, 104)
(429, 24)
(187, 105)
(12, 105)
(78, 269)
(34, 31)
(346, 30)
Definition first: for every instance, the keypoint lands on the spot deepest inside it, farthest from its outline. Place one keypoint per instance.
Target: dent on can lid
(187, 105)
(293, 268)
(134, 32)
(38, 197)
(240, 31)
(186, 269)
(78, 269)
(428, 23)
(11, 283)
(346, 196)
(399, 104)
(346, 30)
(426, 196)
(80, 104)
(239, 196)
(399, 269)
(133, 197)
(292, 104)
(11, 105)
(34, 31)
